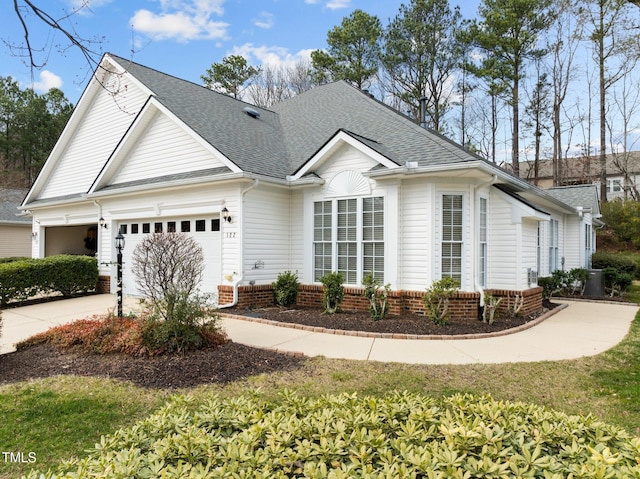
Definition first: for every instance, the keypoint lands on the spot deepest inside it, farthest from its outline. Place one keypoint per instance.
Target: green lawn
(60, 417)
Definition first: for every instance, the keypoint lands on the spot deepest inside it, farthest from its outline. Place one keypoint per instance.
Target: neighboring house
(623, 173)
(330, 180)
(15, 228)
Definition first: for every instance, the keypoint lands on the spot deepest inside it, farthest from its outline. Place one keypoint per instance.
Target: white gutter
(236, 283)
(476, 233)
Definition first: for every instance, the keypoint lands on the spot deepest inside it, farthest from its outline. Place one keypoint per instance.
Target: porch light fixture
(119, 243)
(225, 215)
(34, 235)
(102, 223)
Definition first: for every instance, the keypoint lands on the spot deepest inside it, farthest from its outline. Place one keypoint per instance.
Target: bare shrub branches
(168, 264)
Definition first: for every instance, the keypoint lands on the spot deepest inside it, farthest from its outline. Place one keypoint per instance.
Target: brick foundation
(463, 305)
(531, 304)
(104, 284)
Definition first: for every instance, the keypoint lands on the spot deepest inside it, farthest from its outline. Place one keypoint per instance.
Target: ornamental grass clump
(403, 435)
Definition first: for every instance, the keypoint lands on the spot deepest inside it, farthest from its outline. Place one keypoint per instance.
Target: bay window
(349, 238)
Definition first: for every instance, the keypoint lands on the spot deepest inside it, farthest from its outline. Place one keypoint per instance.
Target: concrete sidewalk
(581, 329)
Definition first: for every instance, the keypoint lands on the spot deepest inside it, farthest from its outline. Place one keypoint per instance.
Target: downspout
(99, 233)
(236, 282)
(477, 238)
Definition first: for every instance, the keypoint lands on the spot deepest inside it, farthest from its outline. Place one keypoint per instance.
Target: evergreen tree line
(30, 124)
(513, 71)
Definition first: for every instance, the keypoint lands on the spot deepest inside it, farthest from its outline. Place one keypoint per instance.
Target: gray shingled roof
(253, 144)
(10, 199)
(279, 142)
(310, 119)
(584, 196)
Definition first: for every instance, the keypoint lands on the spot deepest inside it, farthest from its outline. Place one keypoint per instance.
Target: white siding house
(330, 180)
(15, 229)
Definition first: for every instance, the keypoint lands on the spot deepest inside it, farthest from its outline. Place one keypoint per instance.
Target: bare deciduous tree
(168, 268)
(37, 55)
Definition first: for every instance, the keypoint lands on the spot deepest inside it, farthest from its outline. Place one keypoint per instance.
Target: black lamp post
(119, 248)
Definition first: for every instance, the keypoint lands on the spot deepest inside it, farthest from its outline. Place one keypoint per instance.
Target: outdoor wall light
(34, 235)
(225, 215)
(103, 223)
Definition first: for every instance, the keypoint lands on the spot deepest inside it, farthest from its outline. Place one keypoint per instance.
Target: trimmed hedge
(402, 435)
(65, 274)
(622, 263)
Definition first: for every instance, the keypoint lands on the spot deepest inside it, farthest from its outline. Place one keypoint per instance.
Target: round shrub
(344, 436)
(285, 288)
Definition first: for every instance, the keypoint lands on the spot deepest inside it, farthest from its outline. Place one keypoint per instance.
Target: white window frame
(444, 242)
(588, 245)
(483, 240)
(554, 249)
(322, 249)
(614, 185)
(350, 247)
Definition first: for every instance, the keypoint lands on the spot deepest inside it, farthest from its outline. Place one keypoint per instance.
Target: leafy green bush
(564, 283)
(618, 269)
(548, 285)
(623, 219)
(194, 325)
(285, 288)
(11, 259)
(402, 435)
(436, 299)
(604, 260)
(67, 274)
(377, 296)
(135, 336)
(333, 291)
(616, 282)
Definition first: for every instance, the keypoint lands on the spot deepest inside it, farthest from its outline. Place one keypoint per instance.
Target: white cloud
(337, 4)
(182, 20)
(264, 20)
(273, 56)
(331, 4)
(86, 7)
(48, 80)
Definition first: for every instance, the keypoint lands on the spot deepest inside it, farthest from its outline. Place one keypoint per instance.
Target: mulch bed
(408, 323)
(222, 364)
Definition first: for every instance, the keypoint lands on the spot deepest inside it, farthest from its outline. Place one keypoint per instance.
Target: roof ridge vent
(253, 113)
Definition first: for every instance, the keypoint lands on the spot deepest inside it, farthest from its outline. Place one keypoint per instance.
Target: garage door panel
(205, 230)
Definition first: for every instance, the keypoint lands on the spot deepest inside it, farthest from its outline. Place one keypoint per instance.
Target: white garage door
(205, 230)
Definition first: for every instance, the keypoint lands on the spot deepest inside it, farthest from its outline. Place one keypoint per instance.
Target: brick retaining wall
(104, 284)
(463, 305)
(531, 304)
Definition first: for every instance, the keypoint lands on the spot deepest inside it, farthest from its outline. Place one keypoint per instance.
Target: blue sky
(179, 37)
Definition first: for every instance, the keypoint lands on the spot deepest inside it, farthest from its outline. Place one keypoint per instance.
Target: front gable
(344, 151)
(105, 111)
(159, 145)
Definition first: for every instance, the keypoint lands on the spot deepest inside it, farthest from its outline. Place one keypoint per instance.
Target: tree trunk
(515, 146)
(603, 125)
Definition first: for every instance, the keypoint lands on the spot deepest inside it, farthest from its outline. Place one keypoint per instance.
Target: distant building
(623, 173)
(15, 229)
